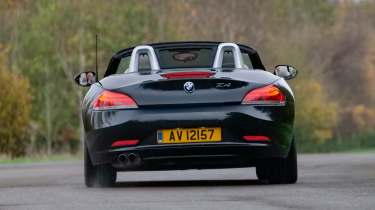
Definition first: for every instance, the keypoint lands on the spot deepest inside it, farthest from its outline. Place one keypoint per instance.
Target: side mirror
(285, 71)
(85, 79)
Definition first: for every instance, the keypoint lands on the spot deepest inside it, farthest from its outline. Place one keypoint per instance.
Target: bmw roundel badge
(189, 87)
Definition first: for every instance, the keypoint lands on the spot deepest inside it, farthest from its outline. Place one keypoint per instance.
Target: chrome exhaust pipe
(134, 159)
(123, 159)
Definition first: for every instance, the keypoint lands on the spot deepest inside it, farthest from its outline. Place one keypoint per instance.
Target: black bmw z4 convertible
(188, 105)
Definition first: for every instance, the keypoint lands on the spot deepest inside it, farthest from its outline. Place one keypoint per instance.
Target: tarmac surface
(326, 181)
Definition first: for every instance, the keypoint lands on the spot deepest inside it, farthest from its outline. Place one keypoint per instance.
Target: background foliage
(44, 43)
(15, 107)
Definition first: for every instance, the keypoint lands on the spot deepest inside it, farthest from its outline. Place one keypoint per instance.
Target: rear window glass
(185, 58)
(247, 61)
(123, 65)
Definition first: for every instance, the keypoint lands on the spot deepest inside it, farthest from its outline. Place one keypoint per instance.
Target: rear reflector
(128, 142)
(256, 138)
(183, 75)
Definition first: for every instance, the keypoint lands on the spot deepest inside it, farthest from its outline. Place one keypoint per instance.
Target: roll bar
(238, 61)
(143, 49)
(218, 62)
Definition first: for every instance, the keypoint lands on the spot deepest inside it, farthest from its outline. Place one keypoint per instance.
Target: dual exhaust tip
(131, 159)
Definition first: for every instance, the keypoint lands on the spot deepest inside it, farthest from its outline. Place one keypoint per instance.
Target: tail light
(112, 100)
(268, 95)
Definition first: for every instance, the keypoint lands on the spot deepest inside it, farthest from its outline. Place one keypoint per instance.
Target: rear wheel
(279, 170)
(100, 175)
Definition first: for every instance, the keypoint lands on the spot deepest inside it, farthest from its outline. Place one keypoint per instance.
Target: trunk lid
(220, 87)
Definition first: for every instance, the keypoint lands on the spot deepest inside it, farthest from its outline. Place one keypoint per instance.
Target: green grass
(39, 158)
(362, 142)
(362, 150)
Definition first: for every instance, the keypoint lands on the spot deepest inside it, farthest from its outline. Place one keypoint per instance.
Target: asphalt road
(330, 181)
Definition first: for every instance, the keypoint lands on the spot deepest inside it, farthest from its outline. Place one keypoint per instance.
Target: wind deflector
(143, 50)
(234, 49)
(145, 55)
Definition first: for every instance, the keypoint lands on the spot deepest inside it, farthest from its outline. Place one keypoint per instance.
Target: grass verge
(40, 158)
(361, 142)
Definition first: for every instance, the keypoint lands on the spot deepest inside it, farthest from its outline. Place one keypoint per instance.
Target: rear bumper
(192, 156)
(235, 121)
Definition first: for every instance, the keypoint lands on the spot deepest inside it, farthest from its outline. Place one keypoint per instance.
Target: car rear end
(165, 127)
(186, 107)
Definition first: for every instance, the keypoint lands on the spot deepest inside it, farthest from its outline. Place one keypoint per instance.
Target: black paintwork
(164, 104)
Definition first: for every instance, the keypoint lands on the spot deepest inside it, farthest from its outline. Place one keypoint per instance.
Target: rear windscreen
(185, 58)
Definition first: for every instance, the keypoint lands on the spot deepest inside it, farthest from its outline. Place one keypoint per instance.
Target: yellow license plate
(188, 135)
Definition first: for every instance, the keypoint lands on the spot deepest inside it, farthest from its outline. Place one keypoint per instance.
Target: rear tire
(100, 175)
(279, 170)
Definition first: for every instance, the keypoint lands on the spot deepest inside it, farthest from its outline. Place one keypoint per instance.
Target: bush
(316, 116)
(356, 119)
(15, 107)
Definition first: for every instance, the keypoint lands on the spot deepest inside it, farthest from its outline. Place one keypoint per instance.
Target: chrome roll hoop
(154, 64)
(237, 56)
(143, 49)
